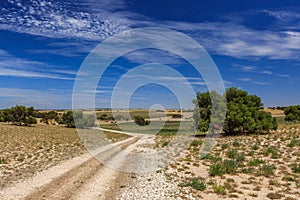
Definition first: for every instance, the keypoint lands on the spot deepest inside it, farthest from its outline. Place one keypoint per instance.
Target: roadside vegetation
(243, 114)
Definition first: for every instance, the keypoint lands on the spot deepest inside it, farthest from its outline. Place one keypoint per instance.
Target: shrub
(273, 151)
(77, 119)
(219, 189)
(255, 162)
(196, 143)
(224, 146)
(266, 170)
(274, 196)
(141, 121)
(236, 143)
(230, 166)
(196, 184)
(217, 169)
(294, 143)
(296, 168)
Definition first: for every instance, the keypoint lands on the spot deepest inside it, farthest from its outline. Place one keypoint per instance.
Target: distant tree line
(19, 115)
(77, 119)
(26, 116)
(243, 114)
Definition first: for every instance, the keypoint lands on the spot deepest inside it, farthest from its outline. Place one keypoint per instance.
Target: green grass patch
(195, 183)
(219, 189)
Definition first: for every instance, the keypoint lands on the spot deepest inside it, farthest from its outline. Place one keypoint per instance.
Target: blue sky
(255, 45)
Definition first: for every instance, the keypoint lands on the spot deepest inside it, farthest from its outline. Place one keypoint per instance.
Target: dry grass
(257, 165)
(26, 150)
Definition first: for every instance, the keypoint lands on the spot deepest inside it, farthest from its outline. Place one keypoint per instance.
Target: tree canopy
(19, 115)
(292, 113)
(243, 112)
(141, 121)
(77, 119)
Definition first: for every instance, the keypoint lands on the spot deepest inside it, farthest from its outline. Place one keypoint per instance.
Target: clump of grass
(253, 195)
(274, 196)
(196, 143)
(294, 143)
(296, 168)
(219, 189)
(217, 169)
(165, 144)
(233, 154)
(273, 182)
(251, 153)
(195, 183)
(224, 146)
(212, 158)
(230, 166)
(288, 178)
(225, 167)
(266, 170)
(255, 147)
(236, 143)
(273, 151)
(255, 162)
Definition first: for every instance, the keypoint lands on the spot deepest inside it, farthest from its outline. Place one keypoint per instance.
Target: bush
(230, 166)
(296, 168)
(292, 113)
(266, 170)
(217, 169)
(219, 189)
(141, 121)
(196, 184)
(77, 119)
(255, 162)
(196, 143)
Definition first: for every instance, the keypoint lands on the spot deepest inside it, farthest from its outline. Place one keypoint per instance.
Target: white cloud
(36, 98)
(283, 75)
(246, 79)
(97, 20)
(266, 72)
(19, 67)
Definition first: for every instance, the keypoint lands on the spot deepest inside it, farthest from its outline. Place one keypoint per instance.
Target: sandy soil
(82, 177)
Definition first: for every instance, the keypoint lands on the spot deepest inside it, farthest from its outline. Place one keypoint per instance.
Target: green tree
(77, 119)
(204, 110)
(67, 119)
(243, 112)
(19, 115)
(50, 117)
(292, 113)
(141, 121)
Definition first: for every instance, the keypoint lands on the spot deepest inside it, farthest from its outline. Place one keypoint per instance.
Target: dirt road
(83, 177)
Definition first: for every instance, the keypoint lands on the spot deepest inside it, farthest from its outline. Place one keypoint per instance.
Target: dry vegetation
(26, 150)
(243, 167)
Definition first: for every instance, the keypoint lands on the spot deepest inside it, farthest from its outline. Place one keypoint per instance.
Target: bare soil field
(27, 150)
(243, 167)
(238, 167)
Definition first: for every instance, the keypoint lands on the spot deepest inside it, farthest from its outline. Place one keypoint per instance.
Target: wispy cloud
(19, 67)
(59, 19)
(36, 98)
(97, 20)
(250, 80)
(266, 72)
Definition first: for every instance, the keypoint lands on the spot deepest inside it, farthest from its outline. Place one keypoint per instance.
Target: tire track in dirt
(63, 180)
(65, 186)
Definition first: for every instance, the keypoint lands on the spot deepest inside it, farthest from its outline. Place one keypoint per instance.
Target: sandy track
(83, 177)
